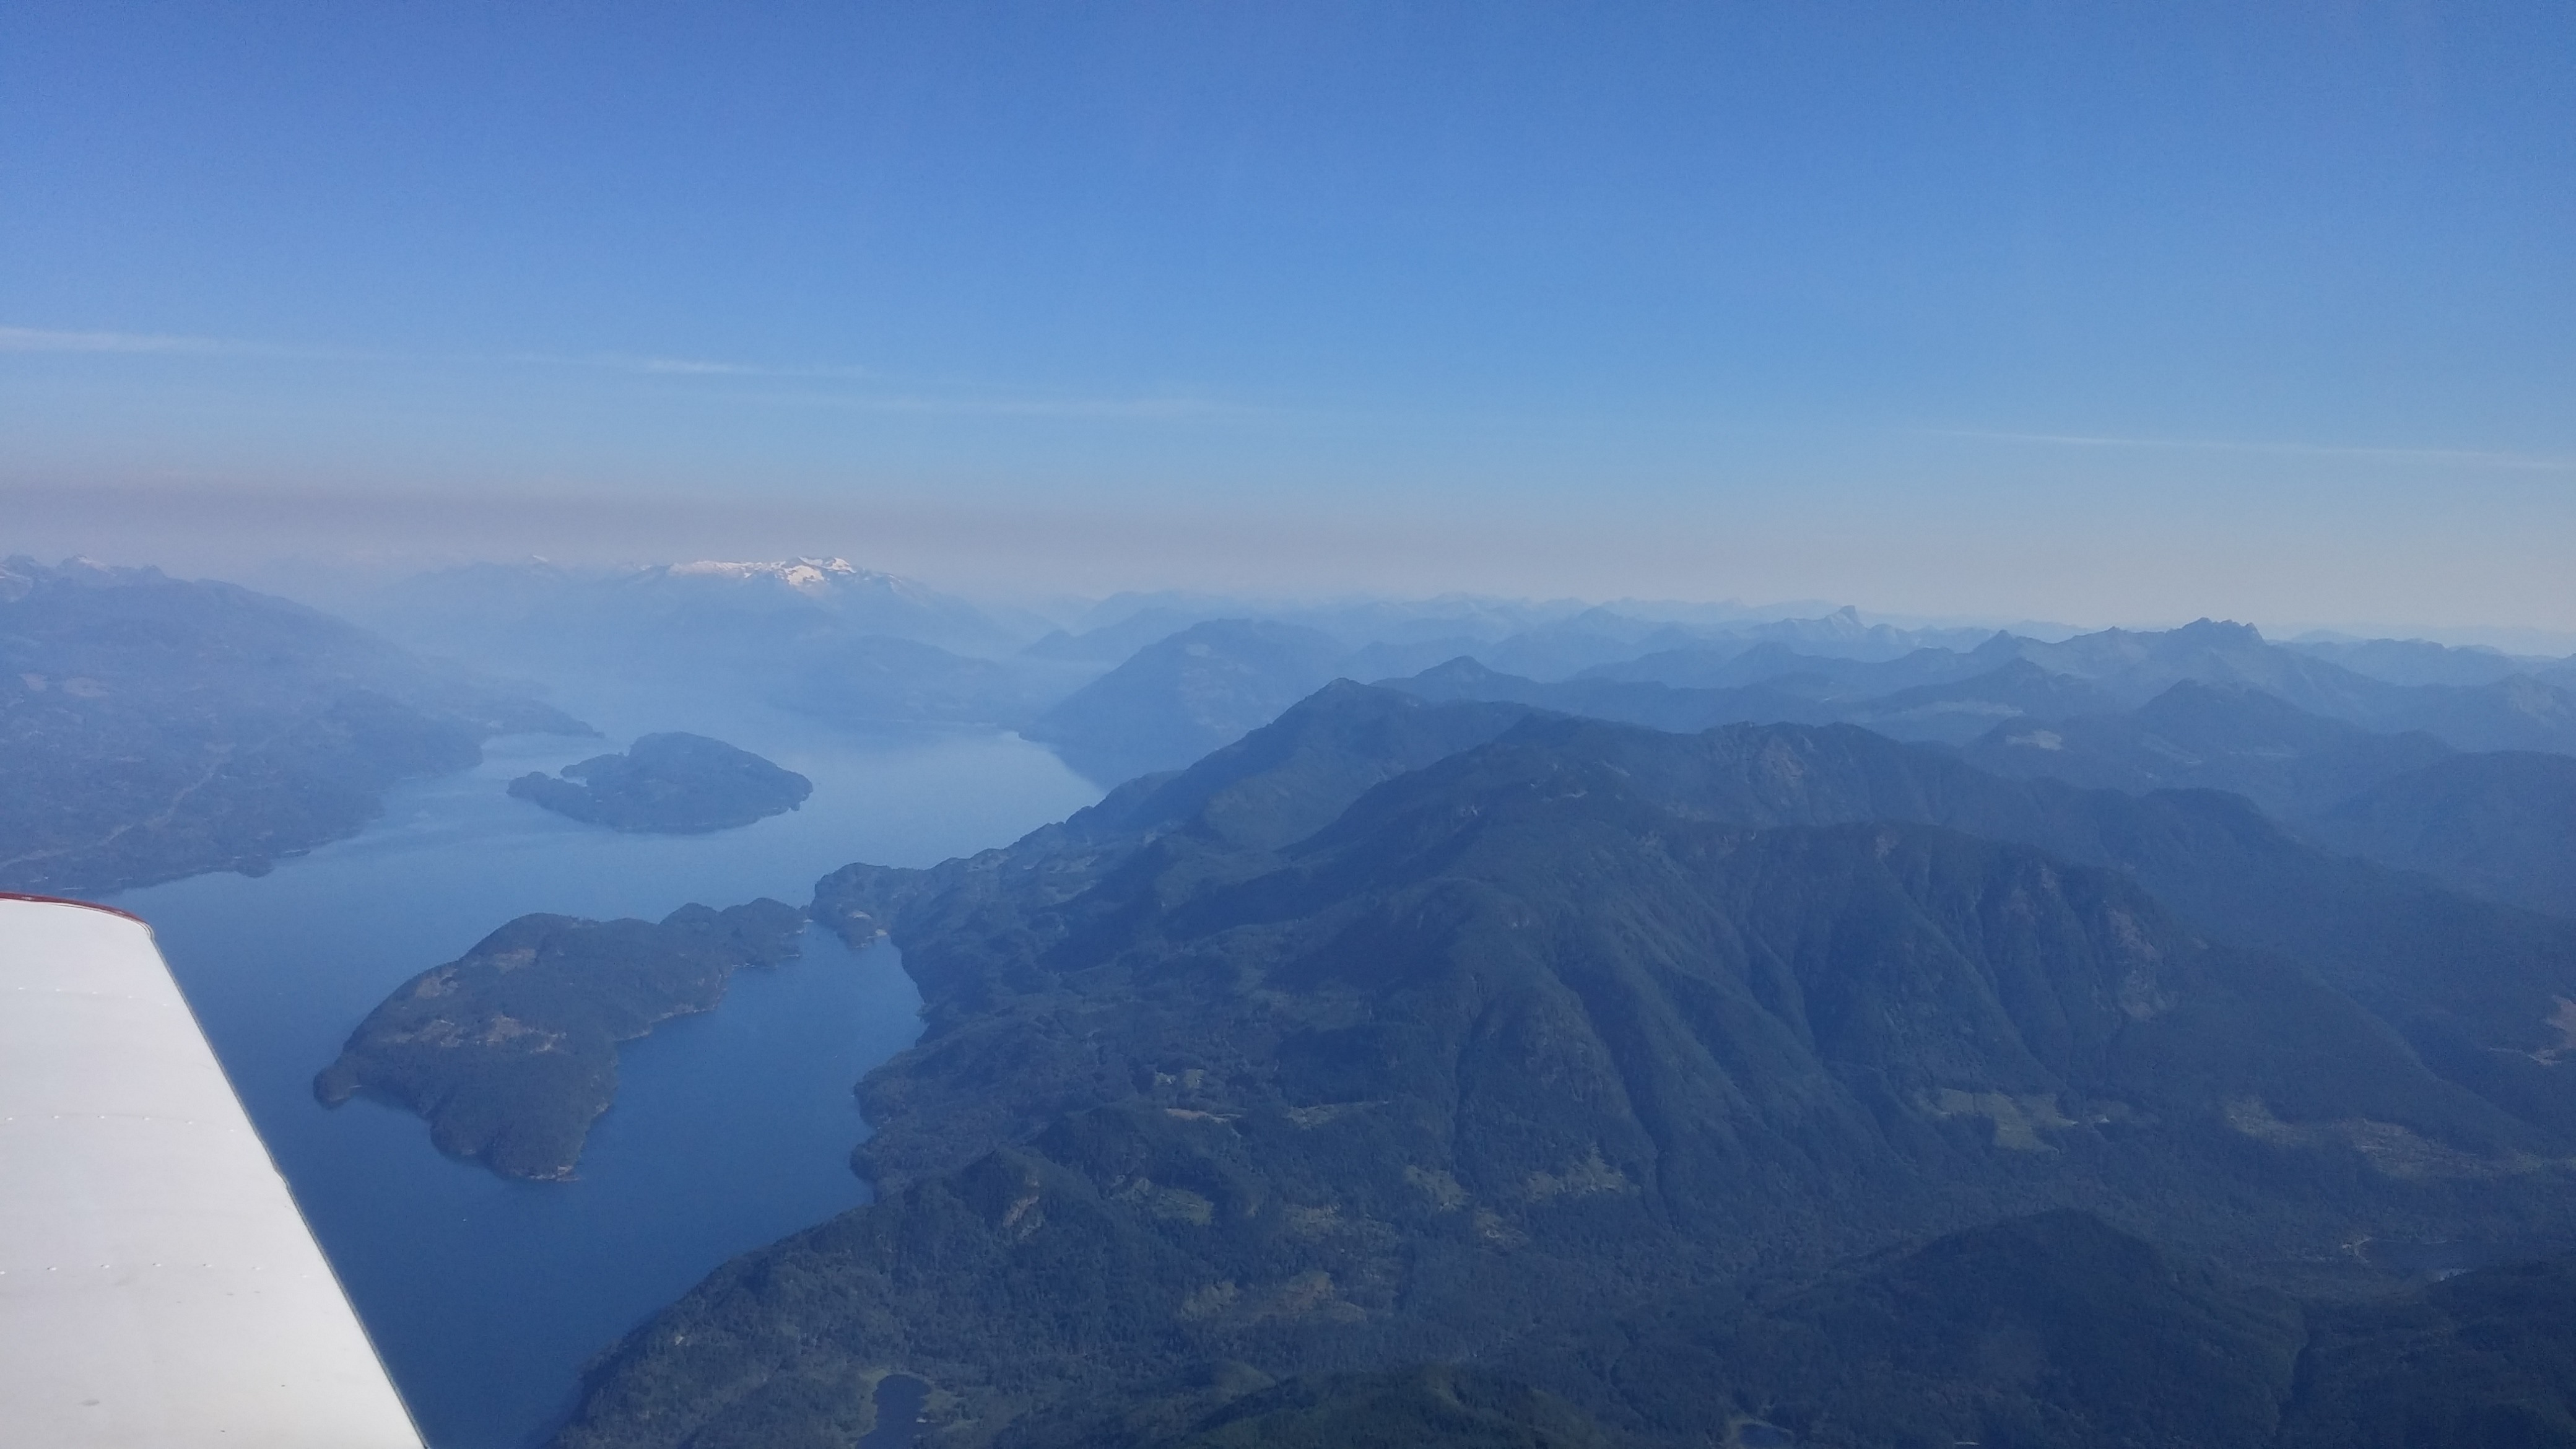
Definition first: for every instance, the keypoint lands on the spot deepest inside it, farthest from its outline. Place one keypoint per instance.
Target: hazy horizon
(1423, 829)
(2044, 313)
(332, 583)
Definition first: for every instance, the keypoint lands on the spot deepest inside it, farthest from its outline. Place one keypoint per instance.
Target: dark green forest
(670, 784)
(1464, 1073)
(510, 1050)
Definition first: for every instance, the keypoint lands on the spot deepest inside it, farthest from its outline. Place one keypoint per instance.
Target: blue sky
(2086, 310)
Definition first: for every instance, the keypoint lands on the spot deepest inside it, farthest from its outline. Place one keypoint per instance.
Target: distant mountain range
(1145, 684)
(2418, 661)
(1164, 705)
(817, 635)
(2119, 668)
(2213, 736)
(1180, 697)
(1626, 1065)
(2516, 712)
(863, 647)
(152, 728)
(545, 606)
(2209, 706)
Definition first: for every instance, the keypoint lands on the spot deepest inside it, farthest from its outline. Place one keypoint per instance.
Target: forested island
(668, 784)
(510, 1051)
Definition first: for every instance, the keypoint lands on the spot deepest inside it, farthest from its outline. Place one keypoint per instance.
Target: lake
(731, 1129)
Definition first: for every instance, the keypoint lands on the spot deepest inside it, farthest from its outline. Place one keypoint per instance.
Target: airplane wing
(158, 1288)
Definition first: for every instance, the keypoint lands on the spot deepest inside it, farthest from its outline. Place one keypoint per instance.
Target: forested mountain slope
(153, 728)
(1341, 1058)
(2501, 824)
(2213, 737)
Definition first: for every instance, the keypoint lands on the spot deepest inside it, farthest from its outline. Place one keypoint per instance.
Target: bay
(731, 1129)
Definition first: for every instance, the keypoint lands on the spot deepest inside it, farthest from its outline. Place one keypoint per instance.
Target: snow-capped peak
(805, 575)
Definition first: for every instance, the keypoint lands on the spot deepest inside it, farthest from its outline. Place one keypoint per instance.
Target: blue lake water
(899, 1399)
(731, 1129)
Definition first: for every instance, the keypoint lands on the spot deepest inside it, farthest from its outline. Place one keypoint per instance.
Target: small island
(510, 1051)
(669, 784)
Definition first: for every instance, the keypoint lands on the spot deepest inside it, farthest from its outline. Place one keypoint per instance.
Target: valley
(1653, 1013)
(1182, 726)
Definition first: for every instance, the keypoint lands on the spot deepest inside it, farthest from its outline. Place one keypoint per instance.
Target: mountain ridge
(1570, 1017)
(153, 728)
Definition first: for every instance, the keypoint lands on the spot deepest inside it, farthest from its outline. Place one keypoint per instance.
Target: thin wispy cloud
(2467, 457)
(960, 402)
(656, 366)
(38, 339)
(964, 401)
(1002, 405)
(162, 344)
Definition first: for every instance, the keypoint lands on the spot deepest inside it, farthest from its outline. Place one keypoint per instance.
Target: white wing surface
(158, 1288)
